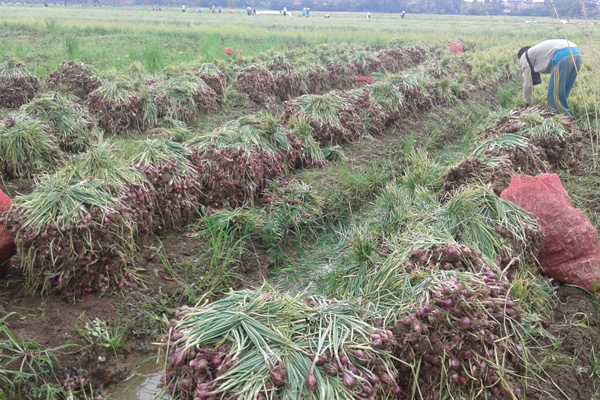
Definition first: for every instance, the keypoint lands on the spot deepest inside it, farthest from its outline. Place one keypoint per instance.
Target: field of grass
(116, 37)
(171, 173)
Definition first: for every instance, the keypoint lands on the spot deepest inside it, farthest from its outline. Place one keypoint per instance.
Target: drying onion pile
(27, 146)
(17, 85)
(117, 105)
(395, 60)
(75, 78)
(183, 97)
(261, 344)
(280, 79)
(288, 83)
(257, 82)
(450, 257)
(316, 79)
(364, 63)
(174, 180)
(76, 233)
(75, 128)
(496, 174)
(215, 79)
(528, 141)
(71, 237)
(236, 161)
(555, 138)
(332, 117)
(461, 342)
(384, 105)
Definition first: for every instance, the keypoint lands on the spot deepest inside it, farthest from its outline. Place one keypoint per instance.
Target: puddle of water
(140, 386)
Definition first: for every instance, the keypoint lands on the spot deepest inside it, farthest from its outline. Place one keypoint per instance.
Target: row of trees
(565, 8)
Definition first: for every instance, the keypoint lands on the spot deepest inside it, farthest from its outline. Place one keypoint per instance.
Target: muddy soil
(570, 374)
(52, 322)
(17, 187)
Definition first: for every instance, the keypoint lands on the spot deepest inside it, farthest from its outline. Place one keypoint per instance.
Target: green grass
(111, 334)
(347, 187)
(23, 362)
(116, 37)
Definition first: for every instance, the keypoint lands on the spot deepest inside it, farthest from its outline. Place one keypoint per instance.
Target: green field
(360, 224)
(116, 37)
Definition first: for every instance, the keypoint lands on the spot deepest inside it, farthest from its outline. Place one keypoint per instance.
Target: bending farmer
(561, 59)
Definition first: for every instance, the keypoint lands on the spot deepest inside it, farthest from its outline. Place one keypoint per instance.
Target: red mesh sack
(456, 48)
(4, 202)
(571, 252)
(365, 79)
(7, 244)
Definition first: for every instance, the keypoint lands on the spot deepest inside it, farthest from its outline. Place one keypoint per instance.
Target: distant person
(369, 15)
(213, 8)
(198, 11)
(307, 12)
(248, 11)
(326, 16)
(284, 11)
(183, 8)
(230, 11)
(220, 9)
(403, 14)
(558, 57)
(254, 12)
(304, 12)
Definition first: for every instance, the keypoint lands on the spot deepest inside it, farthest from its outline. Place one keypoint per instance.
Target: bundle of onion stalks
(262, 344)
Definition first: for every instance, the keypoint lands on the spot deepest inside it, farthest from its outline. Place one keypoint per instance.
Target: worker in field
(561, 59)
(183, 8)
(213, 8)
(403, 14)
(368, 15)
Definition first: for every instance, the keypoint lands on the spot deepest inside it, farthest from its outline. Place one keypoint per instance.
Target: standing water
(143, 385)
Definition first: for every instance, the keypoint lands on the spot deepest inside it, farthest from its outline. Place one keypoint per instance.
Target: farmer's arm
(527, 84)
